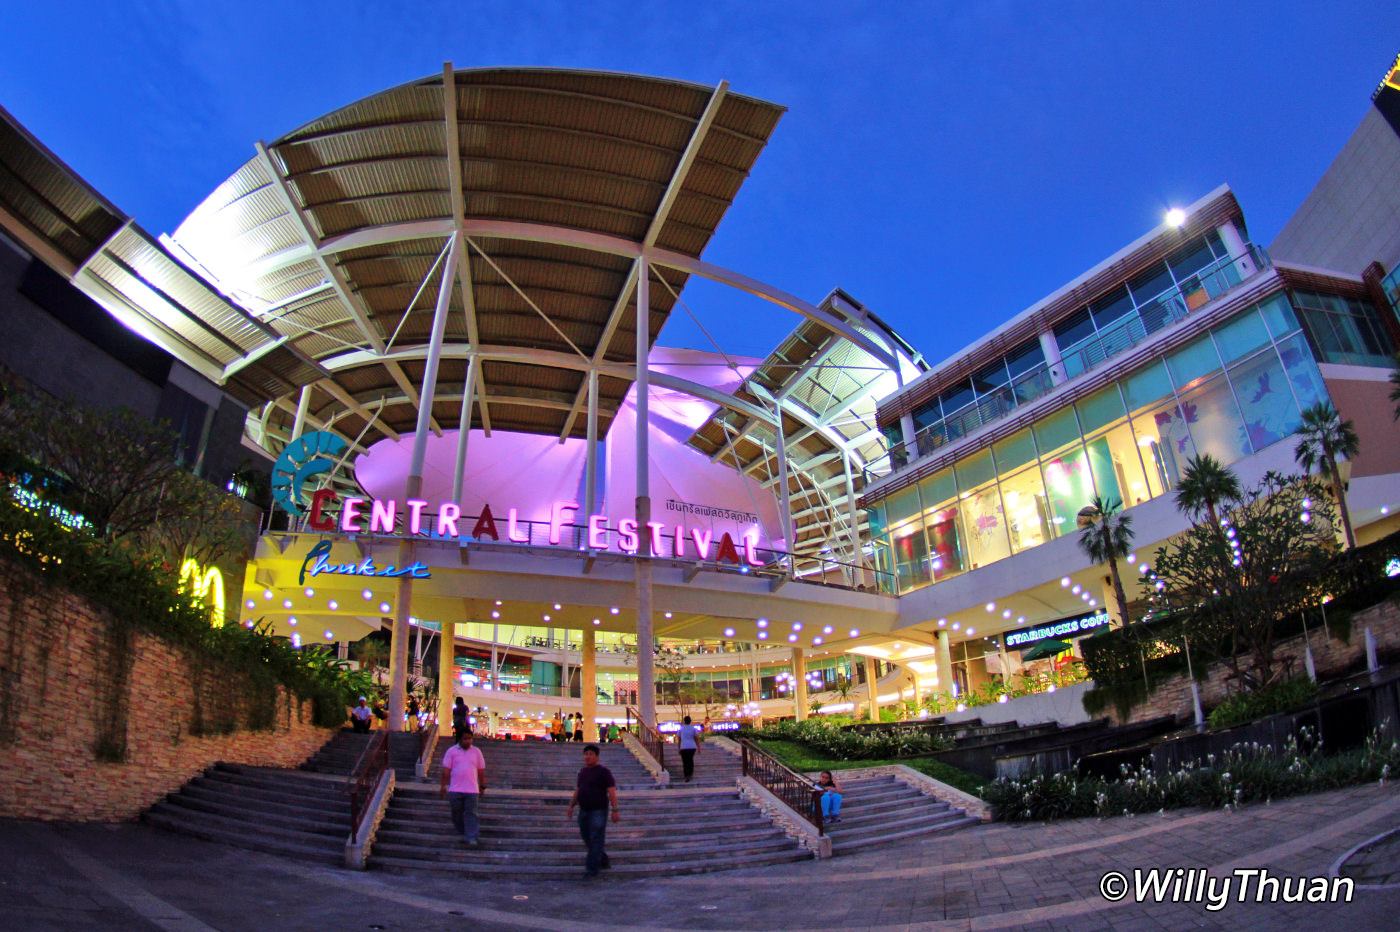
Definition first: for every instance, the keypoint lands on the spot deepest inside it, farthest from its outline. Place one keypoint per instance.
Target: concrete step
(843, 845)
(315, 849)
(260, 821)
(512, 870)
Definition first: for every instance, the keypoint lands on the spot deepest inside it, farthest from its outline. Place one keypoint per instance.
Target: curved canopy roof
(334, 238)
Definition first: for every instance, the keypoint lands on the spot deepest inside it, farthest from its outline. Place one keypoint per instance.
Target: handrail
(427, 747)
(795, 790)
(372, 763)
(650, 738)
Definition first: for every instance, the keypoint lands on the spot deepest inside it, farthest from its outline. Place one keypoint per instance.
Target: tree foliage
(120, 472)
(1227, 585)
(1205, 487)
(1323, 437)
(1107, 538)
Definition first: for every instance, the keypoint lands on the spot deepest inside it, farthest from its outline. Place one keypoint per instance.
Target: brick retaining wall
(56, 681)
(1330, 656)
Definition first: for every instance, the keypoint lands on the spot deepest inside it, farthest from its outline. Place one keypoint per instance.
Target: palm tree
(1205, 485)
(1324, 436)
(1106, 539)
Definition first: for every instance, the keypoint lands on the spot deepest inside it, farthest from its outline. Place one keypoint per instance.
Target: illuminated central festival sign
(382, 517)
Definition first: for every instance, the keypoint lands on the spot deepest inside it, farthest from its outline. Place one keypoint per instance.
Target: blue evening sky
(946, 163)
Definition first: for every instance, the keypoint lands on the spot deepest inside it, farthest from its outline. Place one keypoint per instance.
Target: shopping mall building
(420, 314)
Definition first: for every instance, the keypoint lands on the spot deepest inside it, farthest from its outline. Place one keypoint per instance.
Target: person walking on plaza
(690, 742)
(595, 795)
(463, 782)
(459, 718)
(831, 797)
(578, 728)
(613, 733)
(556, 728)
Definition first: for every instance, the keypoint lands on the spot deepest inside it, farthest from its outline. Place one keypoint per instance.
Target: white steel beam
(331, 269)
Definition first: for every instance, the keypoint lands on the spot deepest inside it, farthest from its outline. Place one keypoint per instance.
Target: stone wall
(64, 689)
(1330, 656)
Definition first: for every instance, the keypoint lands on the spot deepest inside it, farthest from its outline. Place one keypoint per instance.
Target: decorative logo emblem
(308, 455)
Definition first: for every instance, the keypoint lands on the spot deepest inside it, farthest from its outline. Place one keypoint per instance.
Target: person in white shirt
(463, 782)
(362, 716)
(690, 742)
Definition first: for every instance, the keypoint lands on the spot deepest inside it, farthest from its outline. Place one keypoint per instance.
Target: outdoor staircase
(875, 810)
(339, 755)
(301, 815)
(714, 766)
(525, 835)
(546, 765)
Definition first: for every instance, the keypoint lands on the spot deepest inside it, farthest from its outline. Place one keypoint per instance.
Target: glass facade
(1231, 392)
(1344, 330)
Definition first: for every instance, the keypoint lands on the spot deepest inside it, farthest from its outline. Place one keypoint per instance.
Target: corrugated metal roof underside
(591, 152)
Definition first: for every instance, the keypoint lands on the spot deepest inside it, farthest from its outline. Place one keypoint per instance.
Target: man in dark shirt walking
(596, 794)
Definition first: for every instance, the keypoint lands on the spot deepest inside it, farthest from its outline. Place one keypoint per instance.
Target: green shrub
(1280, 697)
(828, 740)
(1246, 773)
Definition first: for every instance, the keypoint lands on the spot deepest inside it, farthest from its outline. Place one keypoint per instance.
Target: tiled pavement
(1004, 877)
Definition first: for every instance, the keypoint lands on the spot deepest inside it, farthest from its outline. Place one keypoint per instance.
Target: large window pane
(1151, 283)
(985, 522)
(910, 556)
(1278, 315)
(947, 543)
(1164, 442)
(1191, 260)
(1302, 371)
(1025, 357)
(902, 505)
(1147, 386)
(1100, 409)
(1194, 360)
(1241, 336)
(1027, 512)
(1057, 429)
(1117, 467)
(939, 487)
(1113, 306)
(1266, 402)
(1015, 451)
(1074, 329)
(1214, 420)
(1069, 486)
(975, 470)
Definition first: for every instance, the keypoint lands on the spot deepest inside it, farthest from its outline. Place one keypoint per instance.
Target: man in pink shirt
(463, 782)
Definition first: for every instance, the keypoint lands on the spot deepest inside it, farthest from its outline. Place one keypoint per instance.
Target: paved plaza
(1012, 877)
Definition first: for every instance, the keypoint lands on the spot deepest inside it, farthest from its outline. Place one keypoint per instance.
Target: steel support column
(464, 428)
(590, 468)
(413, 488)
(646, 670)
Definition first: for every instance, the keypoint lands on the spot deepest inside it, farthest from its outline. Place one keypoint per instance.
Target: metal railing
(795, 790)
(364, 776)
(650, 738)
(427, 746)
